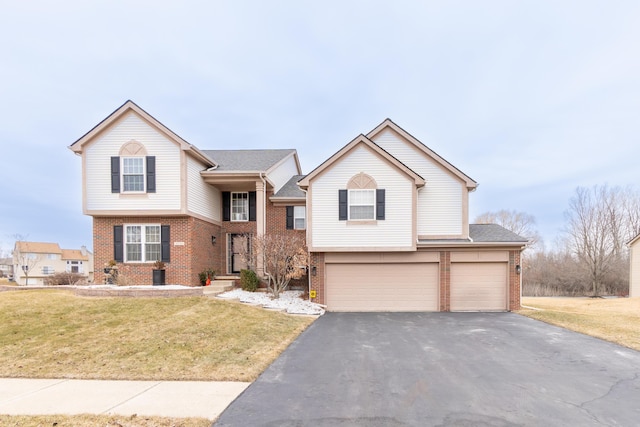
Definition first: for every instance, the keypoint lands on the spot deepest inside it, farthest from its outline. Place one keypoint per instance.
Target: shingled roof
(247, 160)
(291, 189)
(493, 233)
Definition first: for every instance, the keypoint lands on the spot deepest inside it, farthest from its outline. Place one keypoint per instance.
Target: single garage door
(382, 287)
(479, 286)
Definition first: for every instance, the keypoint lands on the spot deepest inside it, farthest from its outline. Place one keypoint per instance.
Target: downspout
(264, 212)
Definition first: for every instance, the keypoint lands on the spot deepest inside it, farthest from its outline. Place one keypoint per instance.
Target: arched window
(133, 171)
(362, 200)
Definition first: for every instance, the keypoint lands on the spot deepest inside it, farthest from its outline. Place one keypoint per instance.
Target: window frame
(143, 244)
(245, 206)
(297, 217)
(123, 174)
(350, 203)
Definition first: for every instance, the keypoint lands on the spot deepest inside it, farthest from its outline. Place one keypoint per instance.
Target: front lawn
(54, 334)
(612, 319)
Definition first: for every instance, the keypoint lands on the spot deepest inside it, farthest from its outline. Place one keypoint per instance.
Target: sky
(531, 99)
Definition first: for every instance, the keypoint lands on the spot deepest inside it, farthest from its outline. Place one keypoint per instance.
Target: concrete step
(218, 286)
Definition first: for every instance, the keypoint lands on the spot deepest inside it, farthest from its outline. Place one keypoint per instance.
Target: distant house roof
(38, 248)
(74, 254)
(290, 189)
(493, 233)
(247, 160)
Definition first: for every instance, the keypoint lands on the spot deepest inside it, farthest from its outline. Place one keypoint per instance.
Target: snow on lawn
(289, 301)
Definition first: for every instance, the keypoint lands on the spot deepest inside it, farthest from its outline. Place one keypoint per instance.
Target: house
(33, 262)
(385, 218)
(634, 270)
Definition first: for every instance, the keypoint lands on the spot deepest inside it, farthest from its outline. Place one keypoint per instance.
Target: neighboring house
(386, 218)
(634, 270)
(6, 267)
(33, 262)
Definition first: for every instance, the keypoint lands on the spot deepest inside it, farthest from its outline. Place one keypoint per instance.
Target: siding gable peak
(360, 141)
(388, 124)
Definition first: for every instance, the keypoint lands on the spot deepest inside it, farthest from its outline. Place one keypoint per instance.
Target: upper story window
(142, 243)
(133, 174)
(240, 206)
(299, 217)
(362, 200)
(133, 171)
(296, 217)
(362, 204)
(47, 270)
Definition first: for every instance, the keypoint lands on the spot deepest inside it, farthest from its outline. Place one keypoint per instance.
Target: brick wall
(192, 253)
(317, 279)
(514, 280)
(445, 281)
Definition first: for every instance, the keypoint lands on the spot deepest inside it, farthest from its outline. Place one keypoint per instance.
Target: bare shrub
(65, 278)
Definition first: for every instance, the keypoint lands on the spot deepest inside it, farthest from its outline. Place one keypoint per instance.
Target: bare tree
(23, 261)
(591, 231)
(281, 256)
(520, 223)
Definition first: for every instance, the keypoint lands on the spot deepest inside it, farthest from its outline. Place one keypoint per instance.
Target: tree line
(590, 257)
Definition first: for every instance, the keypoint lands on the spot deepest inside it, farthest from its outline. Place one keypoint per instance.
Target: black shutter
(289, 217)
(342, 205)
(380, 204)
(151, 174)
(118, 244)
(165, 243)
(252, 205)
(115, 174)
(226, 206)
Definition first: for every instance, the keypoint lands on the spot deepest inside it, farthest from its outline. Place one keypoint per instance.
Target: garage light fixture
(518, 269)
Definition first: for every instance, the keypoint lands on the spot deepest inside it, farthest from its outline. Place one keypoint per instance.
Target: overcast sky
(529, 98)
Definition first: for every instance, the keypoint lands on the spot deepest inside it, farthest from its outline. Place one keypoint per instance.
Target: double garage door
(394, 286)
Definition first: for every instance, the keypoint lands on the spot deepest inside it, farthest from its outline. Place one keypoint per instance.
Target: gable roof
(247, 160)
(290, 190)
(130, 106)
(38, 248)
(633, 240)
(389, 124)
(362, 140)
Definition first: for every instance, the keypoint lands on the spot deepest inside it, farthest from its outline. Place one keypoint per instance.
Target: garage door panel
(479, 286)
(382, 287)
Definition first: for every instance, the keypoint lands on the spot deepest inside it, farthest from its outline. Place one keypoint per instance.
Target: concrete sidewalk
(162, 398)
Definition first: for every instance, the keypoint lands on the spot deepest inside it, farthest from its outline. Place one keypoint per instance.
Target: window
(362, 204)
(53, 256)
(299, 217)
(74, 266)
(47, 270)
(239, 206)
(133, 174)
(142, 243)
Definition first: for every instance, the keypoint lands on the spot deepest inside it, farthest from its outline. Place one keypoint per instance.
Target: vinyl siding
(202, 198)
(395, 231)
(634, 280)
(283, 173)
(98, 177)
(440, 202)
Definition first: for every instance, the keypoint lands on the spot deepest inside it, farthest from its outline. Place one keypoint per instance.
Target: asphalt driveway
(432, 369)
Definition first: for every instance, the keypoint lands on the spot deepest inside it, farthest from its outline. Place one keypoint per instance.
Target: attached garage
(381, 282)
(479, 286)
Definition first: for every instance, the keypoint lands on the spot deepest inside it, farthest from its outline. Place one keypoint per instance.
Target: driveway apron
(449, 369)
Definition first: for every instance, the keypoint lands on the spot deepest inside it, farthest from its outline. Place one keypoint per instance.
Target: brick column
(515, 280)
(445, 281)
(317, 278)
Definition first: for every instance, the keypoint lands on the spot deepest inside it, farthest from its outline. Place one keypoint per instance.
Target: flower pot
(159, 277)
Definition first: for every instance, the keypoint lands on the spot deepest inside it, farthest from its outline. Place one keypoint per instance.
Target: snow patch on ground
(289, 301)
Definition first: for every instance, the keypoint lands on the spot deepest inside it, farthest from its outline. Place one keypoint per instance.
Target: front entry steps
(220, 285)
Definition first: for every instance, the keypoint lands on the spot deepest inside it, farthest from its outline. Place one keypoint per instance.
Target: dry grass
(99, 420)
(616, 319)
(54, 334)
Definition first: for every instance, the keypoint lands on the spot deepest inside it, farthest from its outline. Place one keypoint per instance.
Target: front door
(238, 251)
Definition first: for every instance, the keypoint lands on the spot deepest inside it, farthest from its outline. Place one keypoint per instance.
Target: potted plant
(159, 277)
(109, 266)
